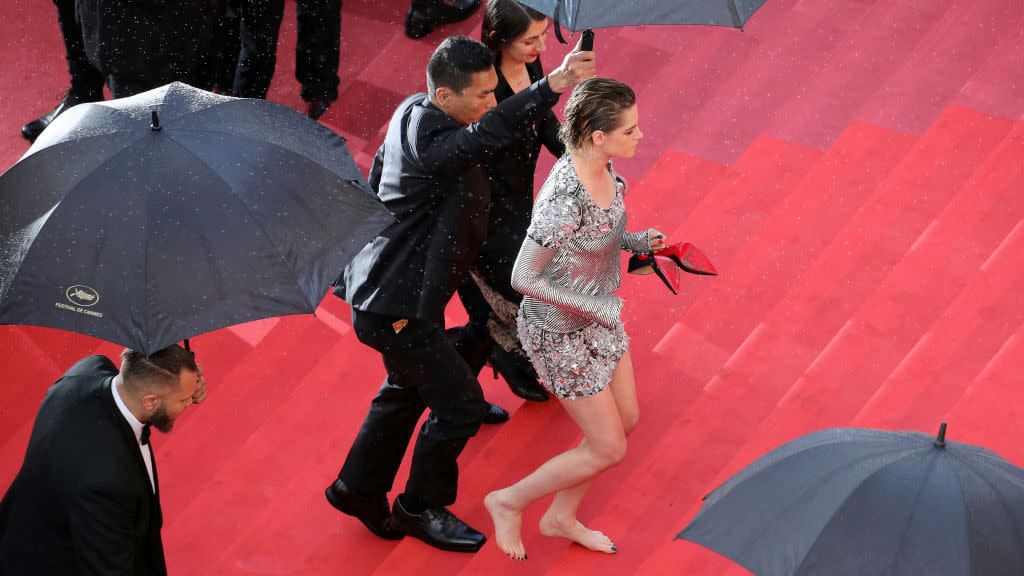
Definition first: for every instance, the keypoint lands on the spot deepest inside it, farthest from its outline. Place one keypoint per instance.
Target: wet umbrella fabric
(576, 15)
(859, 502)
(233, 210)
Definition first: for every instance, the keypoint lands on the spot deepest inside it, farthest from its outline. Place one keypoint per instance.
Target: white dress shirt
(147, 450)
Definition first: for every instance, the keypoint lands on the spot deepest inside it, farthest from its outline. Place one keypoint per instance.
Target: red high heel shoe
(683, 256)
(653, 264)
(690, 258)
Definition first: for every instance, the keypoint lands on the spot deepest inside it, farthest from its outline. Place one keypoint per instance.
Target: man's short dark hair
(455, 61)
(159, 369)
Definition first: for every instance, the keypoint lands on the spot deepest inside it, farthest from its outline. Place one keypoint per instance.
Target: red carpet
(852, 168)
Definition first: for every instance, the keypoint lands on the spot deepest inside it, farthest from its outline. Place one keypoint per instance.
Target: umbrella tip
(155, 126)
(940, 440)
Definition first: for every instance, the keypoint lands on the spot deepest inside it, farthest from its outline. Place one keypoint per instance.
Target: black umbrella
(579, 15)
(150, 219)
(857, 502)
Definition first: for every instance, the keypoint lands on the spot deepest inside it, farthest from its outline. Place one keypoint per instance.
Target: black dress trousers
(318, 48)
(424, 371)
(86, 80)
(139, 45)
(260, 26)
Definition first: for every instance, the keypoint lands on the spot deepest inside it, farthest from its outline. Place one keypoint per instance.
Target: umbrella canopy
(863, 502)
(150, 219)
(579, 15)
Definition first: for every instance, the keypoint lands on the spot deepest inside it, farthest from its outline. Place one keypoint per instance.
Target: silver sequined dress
(567, 270)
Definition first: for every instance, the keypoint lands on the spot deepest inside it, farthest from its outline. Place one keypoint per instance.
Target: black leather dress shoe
(372, 512)
(33, 129)
(438, 528)
(495, 414)
(518, 374)
(422, 18)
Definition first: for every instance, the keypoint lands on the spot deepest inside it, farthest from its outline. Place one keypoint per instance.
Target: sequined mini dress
(567, 270)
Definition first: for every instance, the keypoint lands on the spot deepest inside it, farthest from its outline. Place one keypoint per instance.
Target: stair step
(789, 241)
(848, 78)
(675, 180)
(28, 364)
(990, 411)
(720, 222)
(705, 58)
(255, 389)
(927, 82)
(995, 88)
(312, 437)
(32, 370)
(254, 470)
(836, 289)
(754, 85)
(946, 359)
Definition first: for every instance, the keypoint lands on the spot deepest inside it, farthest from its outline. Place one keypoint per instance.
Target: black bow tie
(144, 439)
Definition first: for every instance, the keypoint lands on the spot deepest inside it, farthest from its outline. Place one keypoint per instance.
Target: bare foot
(573, 530)
(508, 524)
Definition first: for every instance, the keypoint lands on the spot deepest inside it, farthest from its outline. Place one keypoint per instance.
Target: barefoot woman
(569, 320)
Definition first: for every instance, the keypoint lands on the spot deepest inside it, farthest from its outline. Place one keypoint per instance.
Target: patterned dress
(568, 269)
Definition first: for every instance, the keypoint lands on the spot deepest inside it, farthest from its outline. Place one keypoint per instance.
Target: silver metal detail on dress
(575, 364)
(637, 242)
(568, 266)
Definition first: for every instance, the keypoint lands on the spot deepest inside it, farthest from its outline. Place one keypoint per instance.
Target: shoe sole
(441, 546)
(337, 506)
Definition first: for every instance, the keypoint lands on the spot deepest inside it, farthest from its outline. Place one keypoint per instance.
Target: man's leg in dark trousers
(318, 48)
(260, 26)
(86, 80)
(430, 375)
(473, 341)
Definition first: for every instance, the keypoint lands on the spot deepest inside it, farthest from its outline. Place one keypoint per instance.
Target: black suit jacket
(81, 503)
(428, 173)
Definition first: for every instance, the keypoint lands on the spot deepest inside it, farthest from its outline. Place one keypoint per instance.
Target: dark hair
(158, 370)
(455, 61)
(504, 21)
(595, 104)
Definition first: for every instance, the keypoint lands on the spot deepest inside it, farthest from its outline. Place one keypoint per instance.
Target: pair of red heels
(667, 263)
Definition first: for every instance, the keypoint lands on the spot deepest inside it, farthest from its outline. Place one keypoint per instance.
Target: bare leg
(560, 518)
(604, 445)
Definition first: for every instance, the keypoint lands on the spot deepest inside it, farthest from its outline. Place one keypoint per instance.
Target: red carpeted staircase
(854, 171)
(877, 283)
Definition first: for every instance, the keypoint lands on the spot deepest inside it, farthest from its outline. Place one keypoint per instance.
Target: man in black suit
(428, 173)
(87, 498)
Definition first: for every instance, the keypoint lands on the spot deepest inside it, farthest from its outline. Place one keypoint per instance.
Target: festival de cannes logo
(82, 295)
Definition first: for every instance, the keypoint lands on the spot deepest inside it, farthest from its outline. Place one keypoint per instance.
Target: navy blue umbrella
(576, 15)
(860, 502)
(147, 220)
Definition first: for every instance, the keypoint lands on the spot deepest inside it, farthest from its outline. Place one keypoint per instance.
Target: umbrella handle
(940, 440)
(587, 42)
